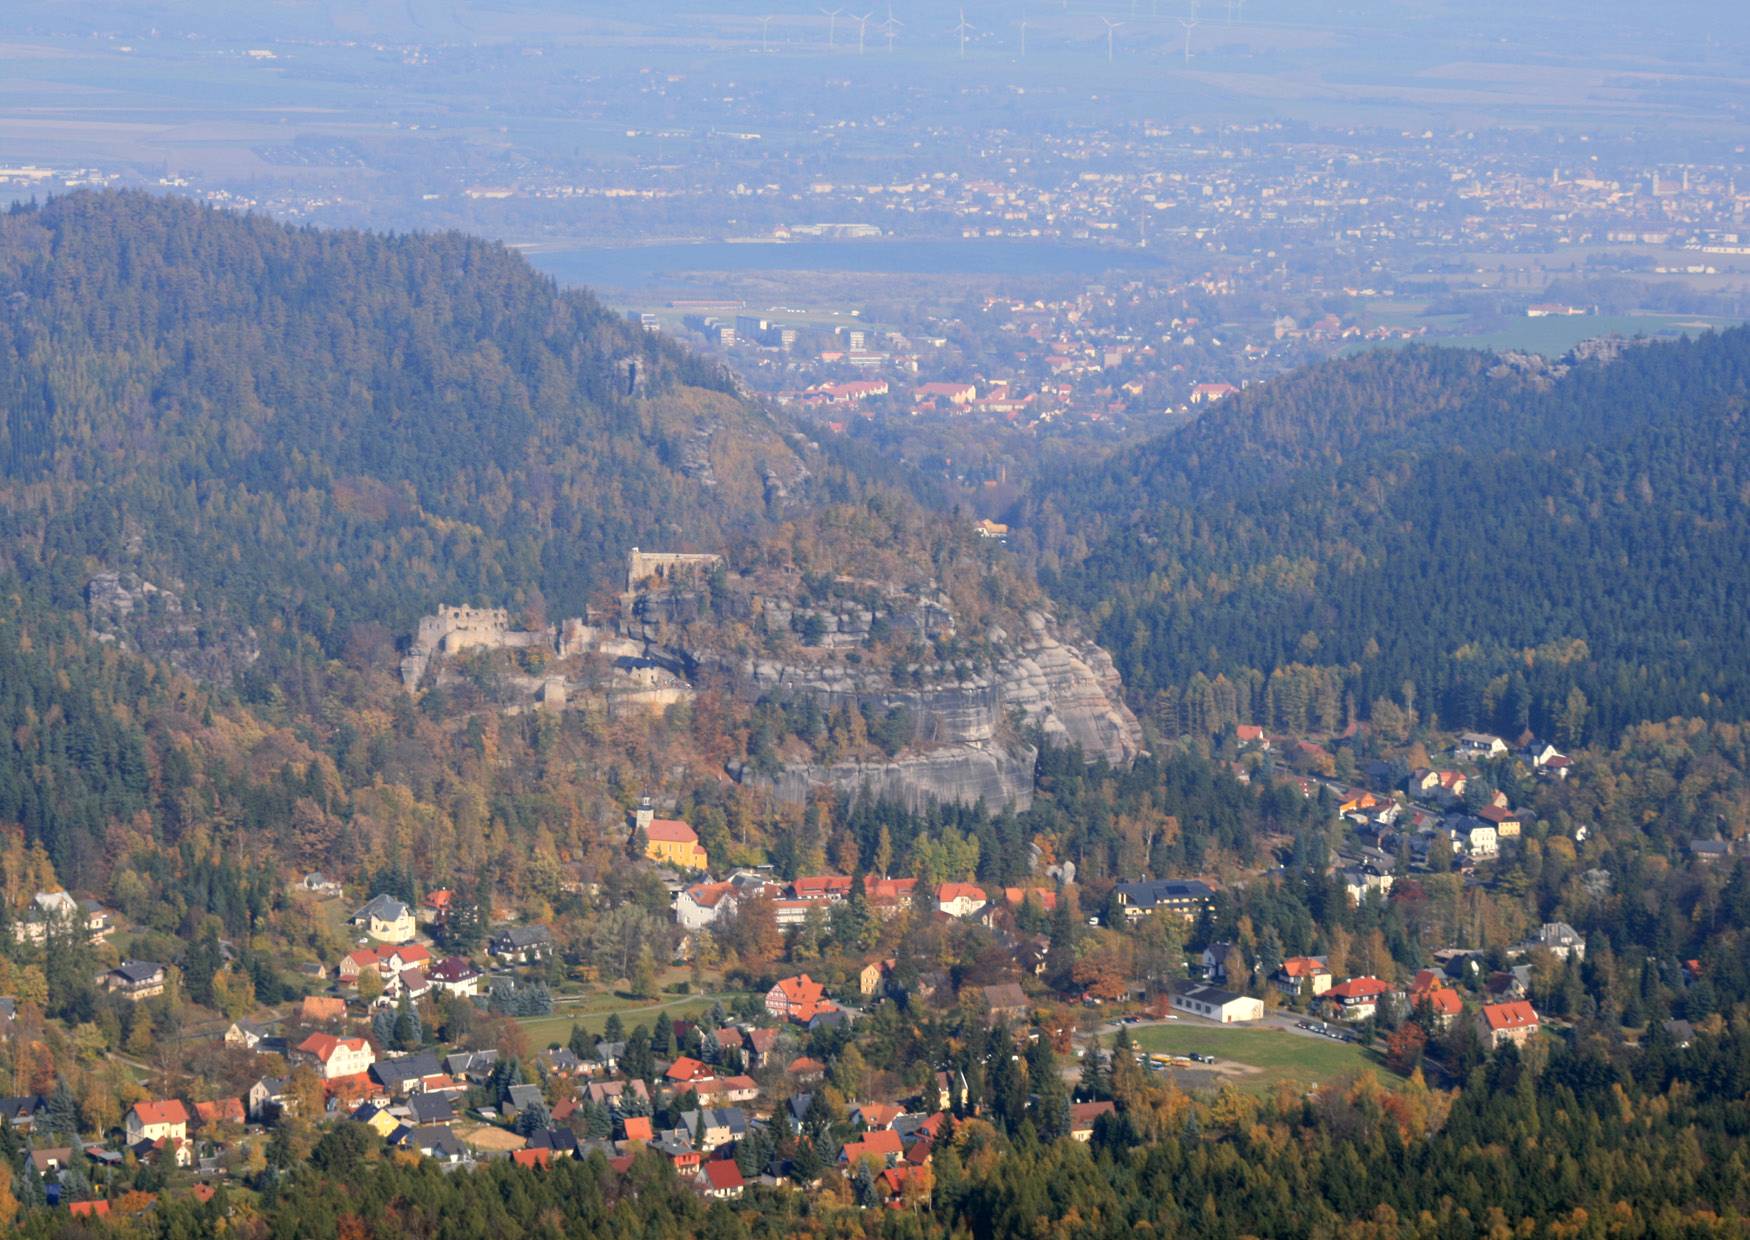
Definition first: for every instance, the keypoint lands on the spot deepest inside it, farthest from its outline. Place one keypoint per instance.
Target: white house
(387, 920)
(1482, 840)
(157, 1121)
(700, 905)
(1481, 745)
(336, 1057)
(1212, 1003)
(960, 899)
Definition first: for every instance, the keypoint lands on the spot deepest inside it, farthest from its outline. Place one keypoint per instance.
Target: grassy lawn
(1268, 1056)
(593, 1013)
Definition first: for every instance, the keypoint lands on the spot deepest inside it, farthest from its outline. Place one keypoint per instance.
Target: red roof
(821, 886)
(1425, 981)
(638, 1128)
(1303, 966)
(882, 1144)
(953, 891)
(93, 1209)
(170, 1112)
(800, 990)
(324, 1045)
(671, 831)
(1083, 1114)
(1517, 1014)
(217, 1112)
(805, 1065)
(687, 1069)
(709, 895)
(532, 1158)
(878, 1115)
(1359, 988)
(723, 1174)
(1444, 1002)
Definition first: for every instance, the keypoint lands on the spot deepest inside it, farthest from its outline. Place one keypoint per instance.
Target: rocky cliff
(1070, 690)
(998, 773)
(964, 745)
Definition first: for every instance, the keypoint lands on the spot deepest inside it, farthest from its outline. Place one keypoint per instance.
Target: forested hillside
(328, 428)
(1561, 550)
(256, 455)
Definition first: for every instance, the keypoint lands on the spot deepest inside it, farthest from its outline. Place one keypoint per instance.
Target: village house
(157, 1121)
(797, 998)
(1302, 975)
(436, 906)
(885, 1147)
(220, 1111)
(1479, 838)
(1362, 881)
(1480, 745)
(721, 1179)
(521, 944)
(960, 899)
(1250, 735)
(1006, 1001)
(1557, 938)
(871, 976)
(455, 975)
(385, 962)
(21, 1111)
(52, 910)
(267, 1099)
(1515, 1021)
(1358, 998)
(135, 980)
(386, 919)
(319, 885)
(1084, 1115)
(700, 905)
(1506, 822)
(1188, 898)
(334, 1057)
(322, 1009)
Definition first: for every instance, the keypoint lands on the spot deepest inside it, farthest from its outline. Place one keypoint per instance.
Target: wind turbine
(961, 30)
(1110, 27)
(832, 30)
(765, 31)
(890, 27)
(862, 28)
(1189, 27)
(1023, 38)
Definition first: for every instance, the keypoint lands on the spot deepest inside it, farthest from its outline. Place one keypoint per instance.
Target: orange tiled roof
(168, 1112)
(1517, 1014)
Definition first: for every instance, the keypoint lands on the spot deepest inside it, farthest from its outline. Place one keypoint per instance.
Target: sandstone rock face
(964, 712)
(962, 748)
(997, 774)
(1071, 691)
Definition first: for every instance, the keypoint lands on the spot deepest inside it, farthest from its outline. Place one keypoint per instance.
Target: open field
(592, 1013)
(1258, 1059)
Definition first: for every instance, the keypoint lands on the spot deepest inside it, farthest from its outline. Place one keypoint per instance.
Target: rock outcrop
(999, 775)
(962, 747)
(1070, 690)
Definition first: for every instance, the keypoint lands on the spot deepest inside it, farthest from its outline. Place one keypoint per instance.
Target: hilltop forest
(1497, 546)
